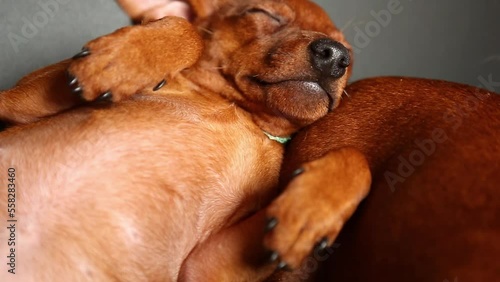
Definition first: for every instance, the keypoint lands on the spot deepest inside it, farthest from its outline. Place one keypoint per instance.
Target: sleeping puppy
(165, 149)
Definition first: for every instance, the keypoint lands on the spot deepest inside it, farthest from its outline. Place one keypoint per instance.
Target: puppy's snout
(329, 57)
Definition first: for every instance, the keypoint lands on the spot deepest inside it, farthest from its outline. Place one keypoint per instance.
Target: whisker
(348, 96)
(347, 25)
(206, 30)
(218, 68)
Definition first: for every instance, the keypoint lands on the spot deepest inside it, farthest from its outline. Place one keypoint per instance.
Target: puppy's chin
(301, 102)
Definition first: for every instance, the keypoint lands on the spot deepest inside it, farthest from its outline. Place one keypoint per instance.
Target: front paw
(298, 222)
(113, 67)
(312, 210)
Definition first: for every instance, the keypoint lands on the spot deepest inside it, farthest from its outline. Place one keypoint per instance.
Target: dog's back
(434, 151)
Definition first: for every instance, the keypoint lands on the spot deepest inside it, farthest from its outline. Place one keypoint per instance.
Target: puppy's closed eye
(277, 18)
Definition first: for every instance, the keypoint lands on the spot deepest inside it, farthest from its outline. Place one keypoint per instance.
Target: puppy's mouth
(303, 86)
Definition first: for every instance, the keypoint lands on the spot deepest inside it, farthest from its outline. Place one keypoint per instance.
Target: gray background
(452, 40)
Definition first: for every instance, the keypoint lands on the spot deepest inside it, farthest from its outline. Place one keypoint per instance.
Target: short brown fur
(432, 213)
(145, 187)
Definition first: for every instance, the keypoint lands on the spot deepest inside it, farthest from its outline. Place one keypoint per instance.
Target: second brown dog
(434, 154)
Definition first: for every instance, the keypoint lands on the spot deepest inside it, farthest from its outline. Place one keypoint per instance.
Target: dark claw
(105, 96)
(273, 256)
(282, 266)
(322, 244)
(84, 53)
(297, 172)
(271, 224)
(72, 80)
(78, 90)
(160, 85)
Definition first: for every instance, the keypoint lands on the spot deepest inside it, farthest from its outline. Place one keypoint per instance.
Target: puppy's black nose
(329, 57)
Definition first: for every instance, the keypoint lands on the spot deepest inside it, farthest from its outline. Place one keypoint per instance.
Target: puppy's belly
(129, 196)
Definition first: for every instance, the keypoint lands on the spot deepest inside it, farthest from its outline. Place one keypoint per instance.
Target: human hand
(151, 10)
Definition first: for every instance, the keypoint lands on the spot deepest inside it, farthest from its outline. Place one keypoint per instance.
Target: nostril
(326, 53)
(344, 62)
(321, 49)
(329, 57)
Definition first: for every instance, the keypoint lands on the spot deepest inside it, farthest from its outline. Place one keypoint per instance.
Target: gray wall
(445, 39)
(456, 40)
(25, 46)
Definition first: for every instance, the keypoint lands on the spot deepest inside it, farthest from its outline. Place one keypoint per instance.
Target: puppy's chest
(239, 180)
(221, 162)
(230, 158)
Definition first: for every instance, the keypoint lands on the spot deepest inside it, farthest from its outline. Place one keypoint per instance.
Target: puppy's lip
(308, 85)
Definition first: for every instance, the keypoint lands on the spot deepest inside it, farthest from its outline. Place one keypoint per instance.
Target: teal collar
(281, 140)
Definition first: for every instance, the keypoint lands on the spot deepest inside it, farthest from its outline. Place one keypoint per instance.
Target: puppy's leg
(314, 206)
(118, 65)
(232, 255)
(135, 58)
(42, 93)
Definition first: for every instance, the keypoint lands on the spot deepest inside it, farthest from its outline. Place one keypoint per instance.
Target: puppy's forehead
(310, 16)
(306, 15)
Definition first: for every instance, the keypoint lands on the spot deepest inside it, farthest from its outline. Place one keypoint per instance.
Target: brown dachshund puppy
(434, 152)
(161, 165)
